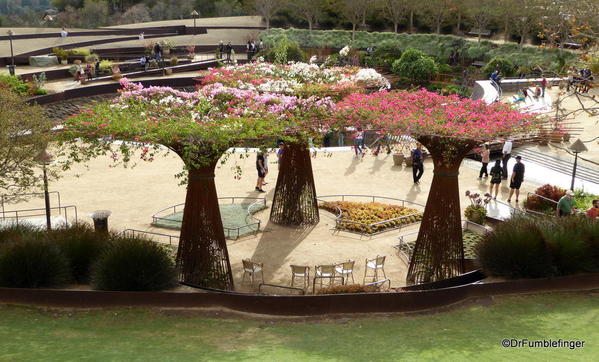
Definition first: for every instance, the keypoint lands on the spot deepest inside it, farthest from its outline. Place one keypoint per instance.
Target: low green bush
(516, 249)
(81, 245)
(14, 83)
(385, 54)
(505, 67)
(134, 264)
(283, 51)
(529, 248)
(32, 263)
(17, 233)
(416, 65)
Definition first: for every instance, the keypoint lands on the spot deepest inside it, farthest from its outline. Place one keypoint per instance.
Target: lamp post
(194, 15)
(44, 158)
(11, 68)
(577, 147)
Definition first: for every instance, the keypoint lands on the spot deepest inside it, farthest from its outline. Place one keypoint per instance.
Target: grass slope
(468, 333)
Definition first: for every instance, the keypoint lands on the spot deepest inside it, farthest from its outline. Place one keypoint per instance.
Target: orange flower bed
(361, 216)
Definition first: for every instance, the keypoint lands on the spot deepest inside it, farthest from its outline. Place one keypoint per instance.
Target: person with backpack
(417, 163)
(496, 173)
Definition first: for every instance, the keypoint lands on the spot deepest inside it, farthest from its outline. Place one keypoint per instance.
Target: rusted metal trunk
(202, 257)
(294, 202)
(439, 252)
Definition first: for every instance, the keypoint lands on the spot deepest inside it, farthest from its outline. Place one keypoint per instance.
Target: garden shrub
(548, 191)
(14, 83)
(17, 233)
(81, 245)
(284, 51)
(567, 241)
(385, 54)
(32, 263)
(344, 289)
(416, 65)
(516, 249)
(505, 67)
(476, 214)
(448, 89)
(133, 264)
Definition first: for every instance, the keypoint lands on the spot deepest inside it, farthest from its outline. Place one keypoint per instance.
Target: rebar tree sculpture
(200, 127)
(449, 127)
(294, 202)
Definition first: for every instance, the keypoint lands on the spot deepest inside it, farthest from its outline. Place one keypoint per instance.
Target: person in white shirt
(64, 33)
(507, 152)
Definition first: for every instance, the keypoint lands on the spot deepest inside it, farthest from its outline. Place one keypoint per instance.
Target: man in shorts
(517, 178)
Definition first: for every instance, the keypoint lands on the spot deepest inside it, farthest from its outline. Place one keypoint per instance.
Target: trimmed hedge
(134, 264)
(32, 263)
(435, 45)
(530, 248)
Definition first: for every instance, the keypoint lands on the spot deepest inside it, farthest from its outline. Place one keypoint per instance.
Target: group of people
(225, 50)
(252, 48)
(86, 72)
(565, 207)
(262, 165)
(580, 80)
(499, 171)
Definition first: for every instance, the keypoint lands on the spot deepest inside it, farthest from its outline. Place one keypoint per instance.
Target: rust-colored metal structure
(294, 202)
(202, 257)
(439, 252)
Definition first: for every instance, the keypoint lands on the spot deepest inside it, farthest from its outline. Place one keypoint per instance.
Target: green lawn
(467, 333)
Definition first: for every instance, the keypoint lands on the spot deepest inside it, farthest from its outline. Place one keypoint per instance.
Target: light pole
(44, 158)
(194, 15)
(577, 147)
(11, 68)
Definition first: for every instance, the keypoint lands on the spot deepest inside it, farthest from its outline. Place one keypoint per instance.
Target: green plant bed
(233, 216)
(470, 239)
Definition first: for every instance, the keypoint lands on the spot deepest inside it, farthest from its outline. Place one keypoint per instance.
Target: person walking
(507, 153)
(417, 163)
(496, 172)
(249, 51)
(359, 142)
(280, 153)
(484, 155)
(543, 86)
(565, 205)
(517, 178)
(220, 50)
(229, 50)
(260, 162)
(593, 212)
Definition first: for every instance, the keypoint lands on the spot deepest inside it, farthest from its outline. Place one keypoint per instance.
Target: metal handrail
(60, 209)
(379, 284)
(133, 231)
(542, 197)
(302, 292)
(255, 221)
(339, 219)
(3, 198)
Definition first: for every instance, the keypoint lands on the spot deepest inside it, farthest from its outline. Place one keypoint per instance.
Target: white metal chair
(325, 272)
(345, 269)
(252, 268)
(300, 272)
(375, 265)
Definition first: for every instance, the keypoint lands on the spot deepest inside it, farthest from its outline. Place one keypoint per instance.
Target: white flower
(313, 59)
(345, 51)
(371, 78)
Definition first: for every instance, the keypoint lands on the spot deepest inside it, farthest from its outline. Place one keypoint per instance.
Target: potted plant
(167, 45)
(61, 54)
(476, 211)
(191, 52)
(174, 61)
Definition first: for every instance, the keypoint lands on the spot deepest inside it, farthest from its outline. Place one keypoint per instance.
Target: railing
(538, 213)
(4, 198)
(18, 215)
(133, 232)
(230, 233)
(300, 290)
(498, 88)
(339, 220)
(378, 285)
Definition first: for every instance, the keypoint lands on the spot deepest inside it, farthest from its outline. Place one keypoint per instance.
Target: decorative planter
(168, 71)
(64, 61)
(166, 51)
(398, 159)
(556, 136)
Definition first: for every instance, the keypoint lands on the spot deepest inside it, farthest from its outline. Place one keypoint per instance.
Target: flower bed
(295, 78)
(582, 200)
(371, 217)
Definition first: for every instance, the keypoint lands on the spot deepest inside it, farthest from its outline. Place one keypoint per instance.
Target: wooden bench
(481, 32)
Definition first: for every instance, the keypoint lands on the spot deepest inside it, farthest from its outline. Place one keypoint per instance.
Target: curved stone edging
(410, 301)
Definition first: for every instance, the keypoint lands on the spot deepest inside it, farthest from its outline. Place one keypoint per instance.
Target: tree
(436, 12)
(94, 13)
(309, 10)
(267, 8)
(228, 8)
(481, 12)
(200, 127)
(24, 133)
(355, 12)
(136, 14)
(416, 65)
(449, 127)
(396, 11)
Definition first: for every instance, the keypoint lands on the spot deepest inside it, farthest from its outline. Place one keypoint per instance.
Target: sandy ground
(134, 194)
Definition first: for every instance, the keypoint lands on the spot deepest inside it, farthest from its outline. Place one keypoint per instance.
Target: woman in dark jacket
(495, 178)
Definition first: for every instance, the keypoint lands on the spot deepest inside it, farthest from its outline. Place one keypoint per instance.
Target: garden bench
(481, 32)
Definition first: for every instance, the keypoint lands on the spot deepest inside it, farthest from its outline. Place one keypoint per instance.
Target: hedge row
(435, 45)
